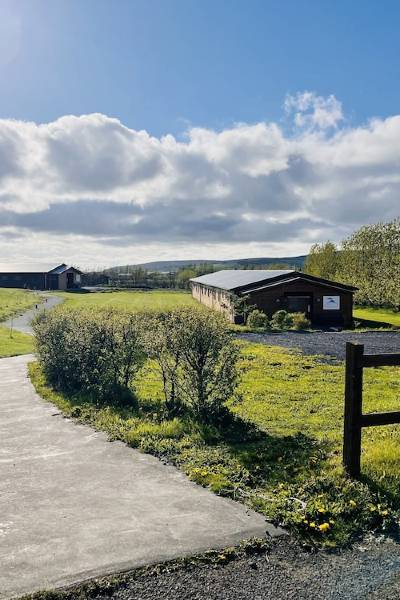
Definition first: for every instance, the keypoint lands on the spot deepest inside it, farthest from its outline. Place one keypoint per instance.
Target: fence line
(354, 419)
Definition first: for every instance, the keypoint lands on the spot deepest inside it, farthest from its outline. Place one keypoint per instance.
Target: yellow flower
(384, 513)
(324, 527)
(352, 503)
(312, 525)
(321, 510)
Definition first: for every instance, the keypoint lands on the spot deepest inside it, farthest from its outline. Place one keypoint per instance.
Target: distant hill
(295, 262)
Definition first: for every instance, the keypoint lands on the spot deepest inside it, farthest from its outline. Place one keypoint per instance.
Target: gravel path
(328, 343)
(286, 572)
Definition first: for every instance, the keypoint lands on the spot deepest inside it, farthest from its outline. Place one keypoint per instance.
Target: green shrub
(300, 321)
(94, 353)
(281, 320)
(207, 375)
(257, 318)
(162, 335)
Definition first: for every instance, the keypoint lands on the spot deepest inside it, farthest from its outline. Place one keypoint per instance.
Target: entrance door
(299, 304)
(70, 280)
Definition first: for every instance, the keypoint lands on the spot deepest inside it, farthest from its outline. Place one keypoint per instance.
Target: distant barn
(40, 277)
(323, 301)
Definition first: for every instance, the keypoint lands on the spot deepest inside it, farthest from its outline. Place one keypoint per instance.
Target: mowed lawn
(136, 301)
(385, 316)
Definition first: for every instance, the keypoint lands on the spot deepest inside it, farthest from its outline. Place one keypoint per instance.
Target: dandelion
(312, 525)
(324, 527)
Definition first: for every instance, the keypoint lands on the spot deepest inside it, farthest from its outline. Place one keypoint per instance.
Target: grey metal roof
(50, 269)
(230, 279)
(58, 270)
(30, 267)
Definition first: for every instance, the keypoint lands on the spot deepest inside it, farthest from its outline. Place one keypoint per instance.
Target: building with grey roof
(323, 301)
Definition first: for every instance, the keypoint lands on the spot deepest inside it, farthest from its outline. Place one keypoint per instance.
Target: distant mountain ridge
(295, 262)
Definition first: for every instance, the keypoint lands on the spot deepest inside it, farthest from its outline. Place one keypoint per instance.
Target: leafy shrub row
(99, 353)
(280, 320)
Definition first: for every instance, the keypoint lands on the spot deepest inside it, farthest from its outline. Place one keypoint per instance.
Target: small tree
(208, 374)
(163, 334)
(241, 306)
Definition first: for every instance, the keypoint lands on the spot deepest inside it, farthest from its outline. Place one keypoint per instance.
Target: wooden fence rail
(354, 420)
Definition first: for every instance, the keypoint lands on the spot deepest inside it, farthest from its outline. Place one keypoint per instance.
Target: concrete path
(73, 505)
(23, 322)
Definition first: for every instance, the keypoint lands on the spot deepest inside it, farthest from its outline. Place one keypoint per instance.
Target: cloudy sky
(148, 133)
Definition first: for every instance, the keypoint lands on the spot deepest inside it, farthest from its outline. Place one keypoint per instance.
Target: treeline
(138, 277)
(369, 259)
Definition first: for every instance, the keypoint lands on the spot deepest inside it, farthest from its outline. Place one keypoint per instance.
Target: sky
(143, 130)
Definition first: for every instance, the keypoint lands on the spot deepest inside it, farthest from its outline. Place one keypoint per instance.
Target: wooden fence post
(353, 409)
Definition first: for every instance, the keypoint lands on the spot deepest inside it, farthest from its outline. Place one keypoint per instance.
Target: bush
(162, 339)
(257, 318)
(207, 374)
(281, 320)
(91, 353)
(300, 321)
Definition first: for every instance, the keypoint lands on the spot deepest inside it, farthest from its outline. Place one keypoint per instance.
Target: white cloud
(247, 189)
(312, 111)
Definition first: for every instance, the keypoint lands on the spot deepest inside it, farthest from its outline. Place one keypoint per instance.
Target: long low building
(40, 277)
(323, 301)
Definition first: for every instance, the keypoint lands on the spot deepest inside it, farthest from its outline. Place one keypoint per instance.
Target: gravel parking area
(285, 572)
(328, 343)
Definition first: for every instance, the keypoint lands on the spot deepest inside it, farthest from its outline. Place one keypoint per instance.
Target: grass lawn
(157, 300)
(13, 301)
(19, 343)
(385, 316)
(282, 453)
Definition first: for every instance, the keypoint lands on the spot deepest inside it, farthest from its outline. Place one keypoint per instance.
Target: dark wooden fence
(354, 420)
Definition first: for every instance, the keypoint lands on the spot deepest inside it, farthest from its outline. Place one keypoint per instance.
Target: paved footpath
(73, 505)
(23, 322)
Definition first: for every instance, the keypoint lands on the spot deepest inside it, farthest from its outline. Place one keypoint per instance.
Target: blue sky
(147, 129)
(161, 64)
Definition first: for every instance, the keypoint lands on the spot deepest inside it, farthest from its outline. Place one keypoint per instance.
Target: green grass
(13, 301)
(154, 300)
(18, 343)
(384, 316)
(282, 455)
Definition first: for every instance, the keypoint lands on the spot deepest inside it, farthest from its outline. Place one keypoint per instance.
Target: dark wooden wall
(274, 298)
(32, 281)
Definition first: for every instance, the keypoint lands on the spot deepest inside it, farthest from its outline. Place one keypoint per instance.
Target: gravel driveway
(328, 343)
(368, 571)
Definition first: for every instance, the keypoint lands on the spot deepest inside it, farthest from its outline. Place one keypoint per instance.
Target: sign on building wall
(331, 303)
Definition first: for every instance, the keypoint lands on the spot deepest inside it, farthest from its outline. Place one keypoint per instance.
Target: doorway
(299, 303)
(70, 280)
